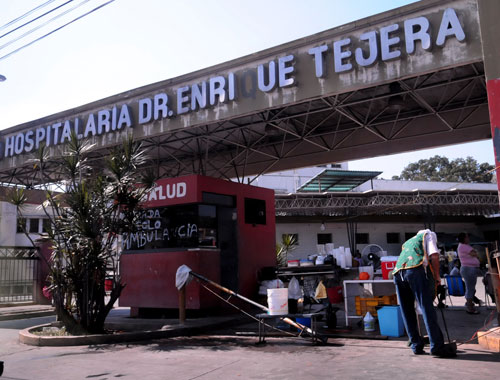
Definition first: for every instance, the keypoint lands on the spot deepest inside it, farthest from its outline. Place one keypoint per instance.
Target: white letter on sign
(450, 26)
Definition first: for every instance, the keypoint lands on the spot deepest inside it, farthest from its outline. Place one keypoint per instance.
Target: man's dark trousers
(412, 284)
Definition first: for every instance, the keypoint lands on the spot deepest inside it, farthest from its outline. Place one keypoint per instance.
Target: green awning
(331, 180)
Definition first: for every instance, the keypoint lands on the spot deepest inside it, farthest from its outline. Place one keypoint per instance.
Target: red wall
(45, 250)
(150, 277)
(256, 244)
(493, 88)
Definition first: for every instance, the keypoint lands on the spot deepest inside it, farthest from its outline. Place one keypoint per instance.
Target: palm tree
(98, 206)
(288, 243)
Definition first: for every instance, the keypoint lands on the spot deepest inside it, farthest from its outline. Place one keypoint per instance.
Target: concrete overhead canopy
(407, 79)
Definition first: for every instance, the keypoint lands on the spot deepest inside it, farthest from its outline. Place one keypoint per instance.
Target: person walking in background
(416, 276)
(469, 270)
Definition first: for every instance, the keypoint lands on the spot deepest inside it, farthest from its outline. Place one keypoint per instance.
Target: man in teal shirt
(416, 276)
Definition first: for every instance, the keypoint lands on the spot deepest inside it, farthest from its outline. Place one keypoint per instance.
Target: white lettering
(161, 196)
(181, 189)
(268, 76)
(39, 137)
(285, 68)
(182, 98)
(145, 110)
(199, 96)
(180, 231)
(421, 34)
(47, 135)
(125, 118)
(56, 127)
(90, 127)
(66, 133)
(9, 146)
(319, 64)
(103, 121)
(79, 136)
(152, 194)
(231, 86)
(19, 145)
(217, 88)
(160, 106)
(170, 189)
(339, 55)
(450, 26)
(371, 37)
(114, 118)
(386, 42)
(29, 143)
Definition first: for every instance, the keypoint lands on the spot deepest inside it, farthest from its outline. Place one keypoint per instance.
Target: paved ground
(227, 354)
(220, 357)
(21, 311)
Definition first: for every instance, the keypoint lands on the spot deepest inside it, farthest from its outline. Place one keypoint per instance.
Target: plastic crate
(390, 321)
(363, 305)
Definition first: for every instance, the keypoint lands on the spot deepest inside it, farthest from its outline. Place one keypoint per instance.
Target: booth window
(362, 238)
(174, 227)
(219, 199)
(207, 230)
(255, 211)
(393, 238)
(324, 238)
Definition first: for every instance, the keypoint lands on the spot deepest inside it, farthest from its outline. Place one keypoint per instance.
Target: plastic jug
(369, 322)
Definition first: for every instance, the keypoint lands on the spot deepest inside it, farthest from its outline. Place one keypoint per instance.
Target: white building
(33, 220)
(382, 212)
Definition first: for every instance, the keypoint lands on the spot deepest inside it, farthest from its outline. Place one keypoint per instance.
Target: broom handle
(286, 320)
(203, 278)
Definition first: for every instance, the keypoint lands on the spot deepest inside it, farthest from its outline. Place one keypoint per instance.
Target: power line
(25, 15)
(55, 30)
(45, 23)
(36, 18)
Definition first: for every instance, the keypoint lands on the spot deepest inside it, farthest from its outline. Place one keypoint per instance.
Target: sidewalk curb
(26, 337)
(26, 315)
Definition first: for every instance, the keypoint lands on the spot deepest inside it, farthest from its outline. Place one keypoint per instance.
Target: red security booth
(220, 229)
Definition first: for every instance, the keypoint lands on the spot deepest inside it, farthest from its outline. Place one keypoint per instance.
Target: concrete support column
(489, 12)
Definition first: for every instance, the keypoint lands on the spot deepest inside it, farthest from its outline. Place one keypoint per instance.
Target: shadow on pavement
(222, 343)
(478, 356)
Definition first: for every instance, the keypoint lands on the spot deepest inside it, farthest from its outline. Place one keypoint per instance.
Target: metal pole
(285, 319)
(182, 305)
(199, 276)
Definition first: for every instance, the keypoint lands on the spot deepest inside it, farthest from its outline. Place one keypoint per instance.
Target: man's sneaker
(446, 351)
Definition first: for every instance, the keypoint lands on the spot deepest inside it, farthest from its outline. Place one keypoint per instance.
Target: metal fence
(19, 268)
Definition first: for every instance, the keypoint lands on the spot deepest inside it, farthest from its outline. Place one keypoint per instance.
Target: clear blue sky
(131, 43)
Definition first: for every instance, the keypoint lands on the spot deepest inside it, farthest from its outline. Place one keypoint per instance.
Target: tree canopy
(439, 168)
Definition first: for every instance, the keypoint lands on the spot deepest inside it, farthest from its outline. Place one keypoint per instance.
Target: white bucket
(277, 300)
